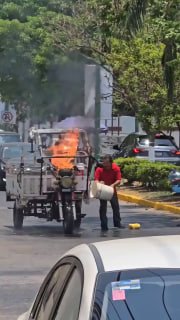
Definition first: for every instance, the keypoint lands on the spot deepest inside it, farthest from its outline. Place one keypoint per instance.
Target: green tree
(32, 70)
(110, 27)
(40, 40)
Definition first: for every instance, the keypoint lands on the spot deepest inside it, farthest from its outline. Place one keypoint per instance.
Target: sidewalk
(135, 197)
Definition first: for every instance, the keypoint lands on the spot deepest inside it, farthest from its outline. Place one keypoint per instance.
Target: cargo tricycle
(54, 185)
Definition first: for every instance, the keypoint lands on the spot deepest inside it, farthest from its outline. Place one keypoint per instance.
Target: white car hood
(26, 315)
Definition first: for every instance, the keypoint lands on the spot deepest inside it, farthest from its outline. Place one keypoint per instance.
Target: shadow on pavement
(91, 227)
(41, 231)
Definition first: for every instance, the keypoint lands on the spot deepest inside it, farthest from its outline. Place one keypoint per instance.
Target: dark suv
(137, 145)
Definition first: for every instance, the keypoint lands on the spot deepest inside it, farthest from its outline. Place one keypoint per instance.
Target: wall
(119, 125)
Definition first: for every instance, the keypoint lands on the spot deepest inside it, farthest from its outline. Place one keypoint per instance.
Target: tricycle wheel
(68, 222)
(17, 217)
(8, 197)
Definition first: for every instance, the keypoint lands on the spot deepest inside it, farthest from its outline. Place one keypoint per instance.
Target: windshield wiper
(163, 294)
(127, 306)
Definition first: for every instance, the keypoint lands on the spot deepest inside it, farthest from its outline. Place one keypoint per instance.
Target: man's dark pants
(116, 212)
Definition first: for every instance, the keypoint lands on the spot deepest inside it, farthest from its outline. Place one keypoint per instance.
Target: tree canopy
(43, 45)
(33, 70)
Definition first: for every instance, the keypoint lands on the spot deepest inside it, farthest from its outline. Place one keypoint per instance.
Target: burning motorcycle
(55, 189)
(71, 199)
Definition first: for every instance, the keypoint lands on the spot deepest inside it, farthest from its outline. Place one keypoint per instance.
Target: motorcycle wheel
(68, 222)
(77, 222)
(17, 217)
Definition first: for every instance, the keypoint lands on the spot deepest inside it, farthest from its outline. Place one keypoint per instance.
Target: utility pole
(97, 114)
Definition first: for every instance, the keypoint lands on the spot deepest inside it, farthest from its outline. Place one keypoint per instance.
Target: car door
(129, 145)
(123, 147)
(52, 298)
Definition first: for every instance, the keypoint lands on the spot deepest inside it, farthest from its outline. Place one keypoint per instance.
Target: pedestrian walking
(110, 175)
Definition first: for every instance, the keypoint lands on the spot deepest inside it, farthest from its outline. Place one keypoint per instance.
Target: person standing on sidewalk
(109, 175)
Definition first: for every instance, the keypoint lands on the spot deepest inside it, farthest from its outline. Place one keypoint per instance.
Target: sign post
(8, 117)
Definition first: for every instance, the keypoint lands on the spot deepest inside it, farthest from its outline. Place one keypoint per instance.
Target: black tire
(17, 217)
(8, 197)
(68, 222)
(3, 187)
(77, 222)
(55, 212)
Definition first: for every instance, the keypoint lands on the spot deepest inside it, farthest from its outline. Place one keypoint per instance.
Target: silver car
(137, 145)
(124, 279)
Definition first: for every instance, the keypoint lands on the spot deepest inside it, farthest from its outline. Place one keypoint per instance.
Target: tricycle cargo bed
(28, 183)
(31, 184)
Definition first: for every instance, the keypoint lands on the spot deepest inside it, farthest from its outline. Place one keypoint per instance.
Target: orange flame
(65, 146)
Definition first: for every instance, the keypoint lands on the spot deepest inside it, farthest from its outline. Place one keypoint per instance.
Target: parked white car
(114, 280)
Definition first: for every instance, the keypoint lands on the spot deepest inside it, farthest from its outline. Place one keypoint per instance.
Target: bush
(153, 175)
(129, 167)
(164, 185)
(130, 172)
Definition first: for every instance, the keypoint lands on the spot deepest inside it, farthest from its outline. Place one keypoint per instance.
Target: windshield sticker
(118, 295)
(127, 284)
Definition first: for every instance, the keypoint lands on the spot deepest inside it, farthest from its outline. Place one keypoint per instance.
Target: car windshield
(5, 138)
(138, 295)
(11, 152)
(159, 141)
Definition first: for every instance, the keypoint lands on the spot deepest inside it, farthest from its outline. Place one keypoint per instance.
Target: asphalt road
(27, 255)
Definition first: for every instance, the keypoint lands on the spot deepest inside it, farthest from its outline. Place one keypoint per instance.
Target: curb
(148, 203)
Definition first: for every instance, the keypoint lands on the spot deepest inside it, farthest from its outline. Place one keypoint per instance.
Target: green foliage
(43, 41)
(151, 175)
(130, 172)
(122, 162)
(139, 85)
(129, 167)
(146, 67)
(32, 70)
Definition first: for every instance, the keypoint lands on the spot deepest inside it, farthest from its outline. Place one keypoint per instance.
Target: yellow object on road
(134, 226)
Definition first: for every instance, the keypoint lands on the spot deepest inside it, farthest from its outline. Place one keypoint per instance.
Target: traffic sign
(8, 117)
